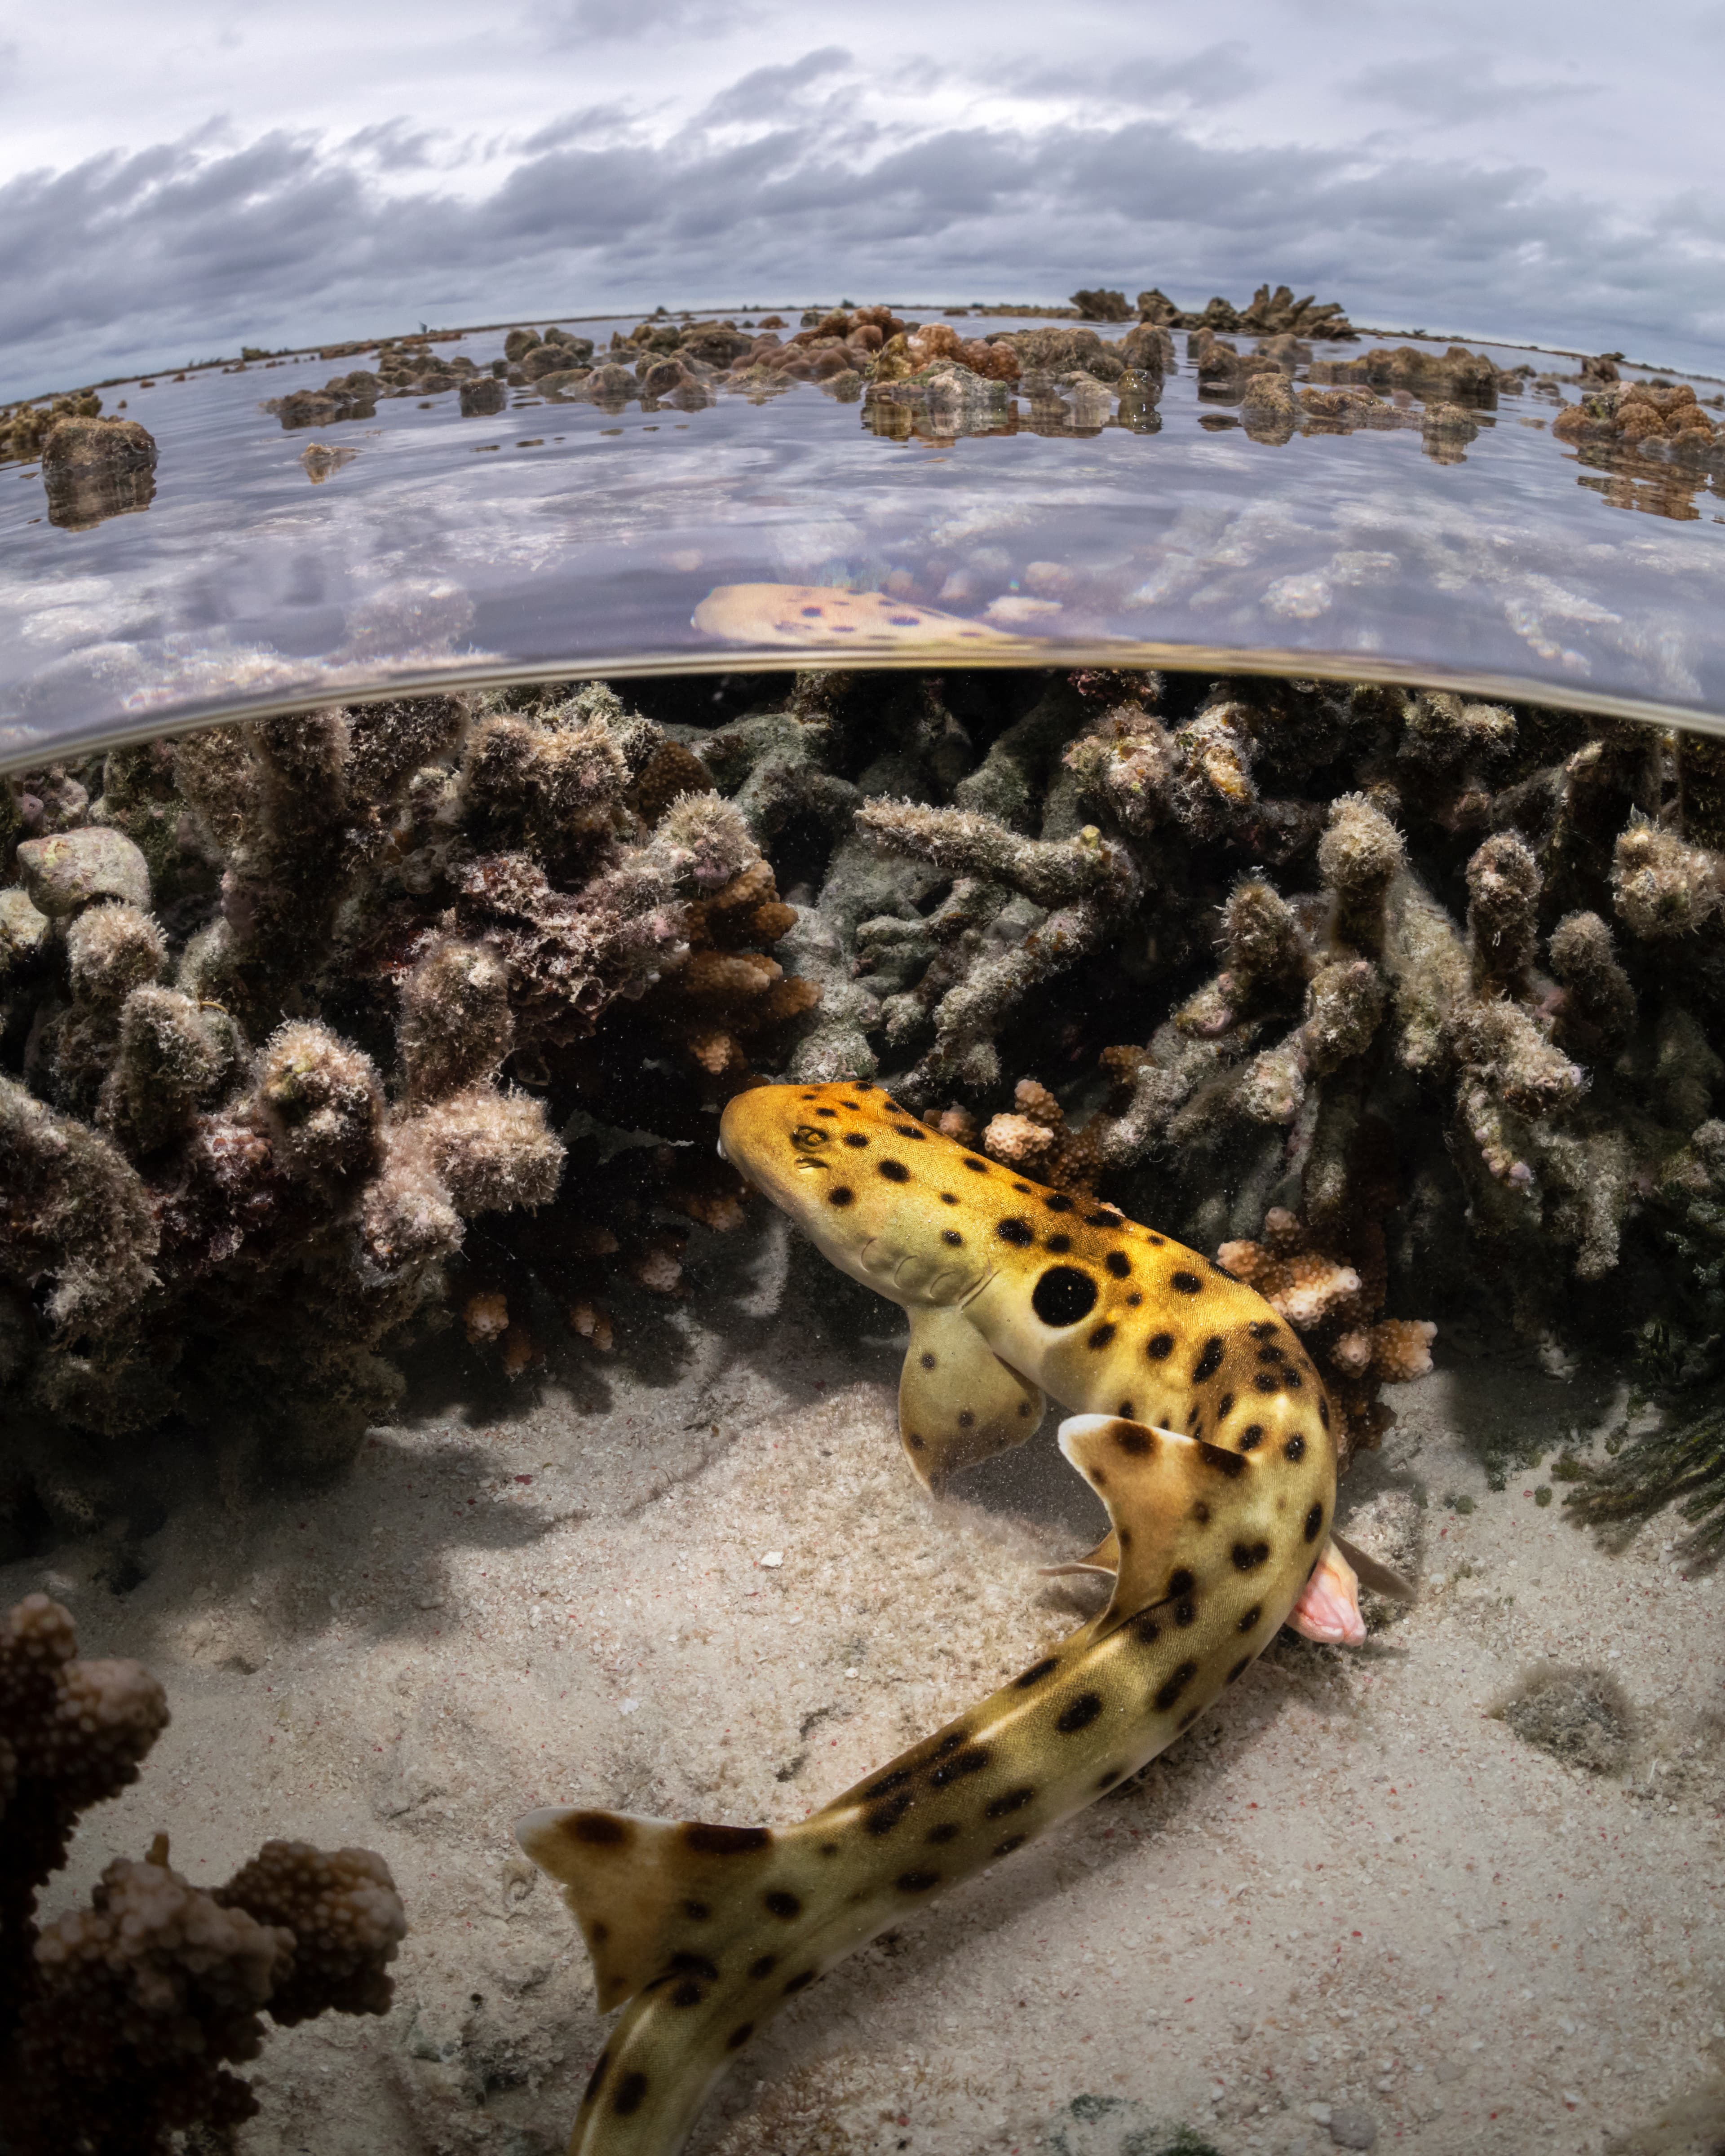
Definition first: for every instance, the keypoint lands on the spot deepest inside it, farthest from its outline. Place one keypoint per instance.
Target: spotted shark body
(1015, 1291)
(707, 1931)
(1208, 1439)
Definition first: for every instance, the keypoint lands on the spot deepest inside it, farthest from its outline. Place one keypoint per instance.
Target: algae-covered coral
(286, 1006)
(1398, 1000)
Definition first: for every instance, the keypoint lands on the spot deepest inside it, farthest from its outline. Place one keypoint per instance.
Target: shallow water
(560, 537)
(613, 1511)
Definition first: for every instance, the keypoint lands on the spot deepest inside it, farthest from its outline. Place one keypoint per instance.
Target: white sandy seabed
(1353, 1908)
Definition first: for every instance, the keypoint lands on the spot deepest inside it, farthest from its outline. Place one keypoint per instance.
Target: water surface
(558, 536)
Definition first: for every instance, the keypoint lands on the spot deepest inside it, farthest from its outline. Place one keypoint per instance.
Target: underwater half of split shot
(862, 1245)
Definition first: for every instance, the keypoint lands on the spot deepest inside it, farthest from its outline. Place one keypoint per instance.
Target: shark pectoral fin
(640, 1888)
(958, 1402)
(1328, 1607)
(1105, 1558)
(1158, 1487)
(1379, 1578)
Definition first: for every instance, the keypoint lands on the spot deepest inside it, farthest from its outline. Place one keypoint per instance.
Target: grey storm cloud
(186, 248)
(1454, 88)
(763, 92)
(574, 23)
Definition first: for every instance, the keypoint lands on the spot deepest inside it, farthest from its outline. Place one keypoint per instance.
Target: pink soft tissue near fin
(1328, 1607)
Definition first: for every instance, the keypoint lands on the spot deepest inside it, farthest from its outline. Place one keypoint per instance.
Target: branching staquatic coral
(119, 2021)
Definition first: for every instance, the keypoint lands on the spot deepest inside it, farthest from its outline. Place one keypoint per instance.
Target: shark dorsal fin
(640, 1888)
(1163, 1493)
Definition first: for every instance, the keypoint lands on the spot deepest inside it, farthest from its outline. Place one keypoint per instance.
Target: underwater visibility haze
(595, 1024)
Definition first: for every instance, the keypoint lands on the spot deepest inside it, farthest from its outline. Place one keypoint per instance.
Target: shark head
(852, 1168)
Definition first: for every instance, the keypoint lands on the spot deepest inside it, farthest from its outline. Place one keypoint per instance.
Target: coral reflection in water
(1403, 509)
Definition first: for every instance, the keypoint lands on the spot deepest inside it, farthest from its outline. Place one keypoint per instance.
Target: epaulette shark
(1211, 1446)
(707, 1931)
(1015, 1291)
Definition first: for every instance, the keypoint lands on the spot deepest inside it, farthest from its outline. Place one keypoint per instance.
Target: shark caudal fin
(640, 1889)
(958, 1402)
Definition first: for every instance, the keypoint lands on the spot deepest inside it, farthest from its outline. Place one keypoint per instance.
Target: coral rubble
(119, 2021)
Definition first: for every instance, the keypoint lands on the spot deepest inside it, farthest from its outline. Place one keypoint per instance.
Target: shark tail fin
(640, 1889)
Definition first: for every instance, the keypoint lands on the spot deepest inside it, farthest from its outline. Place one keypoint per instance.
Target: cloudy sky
(180, 178)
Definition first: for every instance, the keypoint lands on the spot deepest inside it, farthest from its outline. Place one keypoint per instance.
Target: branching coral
(249, 1128)
(1070, 885)
(119, 2020)
(1193, 946)
(1330, 1289)
(1470, 924)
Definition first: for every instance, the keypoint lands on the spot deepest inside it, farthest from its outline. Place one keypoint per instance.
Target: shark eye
(808, 1138)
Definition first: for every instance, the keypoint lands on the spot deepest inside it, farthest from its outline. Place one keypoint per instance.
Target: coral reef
(1640, 416)
(264, 1062)
(95, 467)
(1266, 314)
(405, 367)
(1471, 926)
(285, 1008)
(1457, 375)
(25, 428)
(119, 2021)
(1103, 305)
